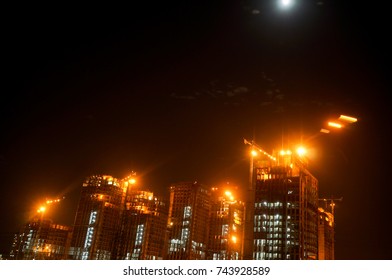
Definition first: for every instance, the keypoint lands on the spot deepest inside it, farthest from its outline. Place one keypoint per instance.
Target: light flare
(348, 119)
(301, 151)
(335, 124)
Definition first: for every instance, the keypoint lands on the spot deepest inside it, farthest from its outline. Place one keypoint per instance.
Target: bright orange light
(301, 151)
(132, 181)
(41, 209)
(323, 130)
(347, 119)
(229, 195)
(334, 124)
(50, 201)
(234, 239)
(253, 153)
(287, 152)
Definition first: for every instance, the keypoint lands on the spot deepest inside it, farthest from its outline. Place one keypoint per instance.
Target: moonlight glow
(286, 4)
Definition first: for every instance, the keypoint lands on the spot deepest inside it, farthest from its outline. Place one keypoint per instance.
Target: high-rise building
(285, 214)
(41, 239)
(143, 227)
(326, 231)
(97, 219)
(226, 225)
(188, 223)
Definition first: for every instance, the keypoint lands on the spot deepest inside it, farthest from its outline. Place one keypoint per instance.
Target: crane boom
(257, 148)
(331, 202)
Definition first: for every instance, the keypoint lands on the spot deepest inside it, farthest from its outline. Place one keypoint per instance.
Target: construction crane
(331, 202)
(48, 202)
(256, 148)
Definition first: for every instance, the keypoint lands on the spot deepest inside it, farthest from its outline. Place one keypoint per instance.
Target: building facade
(188, 222)
(143, 231)
(226, 226)
(41, 239)
(326, 238)
(97, 219)
(285, 209)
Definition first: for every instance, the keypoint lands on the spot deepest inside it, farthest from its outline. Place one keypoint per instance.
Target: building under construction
(326, 235)
(226, 226)
(188, 223)
(284, 208)
(41, 239)
(142, 235)
(97, 219)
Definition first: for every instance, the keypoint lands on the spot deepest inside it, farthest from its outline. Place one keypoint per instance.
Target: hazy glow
(130, 180)
(323, 130)
(286, 4)
(254, 153)
(301, 151)
(42, 209)
(283, 152)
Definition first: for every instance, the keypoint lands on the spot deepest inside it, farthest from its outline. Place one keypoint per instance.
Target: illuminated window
(187, 212)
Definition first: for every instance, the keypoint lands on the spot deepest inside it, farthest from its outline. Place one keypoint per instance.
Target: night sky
(169, 90)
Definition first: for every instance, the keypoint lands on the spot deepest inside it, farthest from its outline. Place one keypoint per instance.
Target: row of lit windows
(263, 242)
(268, 229)
(266, 256)
(270, 217)
(269, 223)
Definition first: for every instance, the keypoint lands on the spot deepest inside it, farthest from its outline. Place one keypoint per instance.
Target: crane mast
(331, 203)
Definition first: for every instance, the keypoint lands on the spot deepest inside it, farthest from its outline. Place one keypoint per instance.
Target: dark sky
(170, 90)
